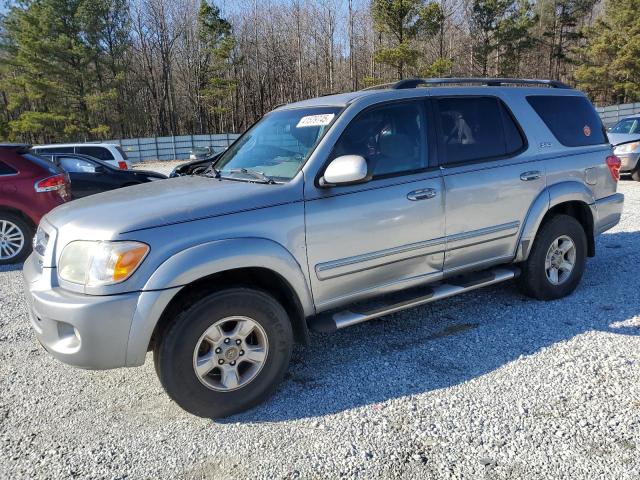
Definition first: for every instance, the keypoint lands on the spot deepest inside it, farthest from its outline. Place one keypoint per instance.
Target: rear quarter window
(7, 169)
(572, 120)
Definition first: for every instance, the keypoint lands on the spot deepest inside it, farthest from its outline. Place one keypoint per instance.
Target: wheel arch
(571, 198)
(248, 262)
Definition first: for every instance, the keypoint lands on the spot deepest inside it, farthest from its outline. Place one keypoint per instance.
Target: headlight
(627, 148)
(100, 263)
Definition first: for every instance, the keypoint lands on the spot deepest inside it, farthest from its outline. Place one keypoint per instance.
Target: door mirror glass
(347, 169)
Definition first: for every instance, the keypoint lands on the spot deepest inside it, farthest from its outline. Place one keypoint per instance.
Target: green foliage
(501, 27)
(401, 22)
(611, 71)
(55, 70)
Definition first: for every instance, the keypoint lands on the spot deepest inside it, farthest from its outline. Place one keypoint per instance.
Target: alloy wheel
(230, 353)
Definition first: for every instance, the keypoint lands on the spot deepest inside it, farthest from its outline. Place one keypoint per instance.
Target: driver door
(388, 233)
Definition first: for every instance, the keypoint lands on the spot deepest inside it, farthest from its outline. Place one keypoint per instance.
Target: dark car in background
(195, 167)
(29, 188)
(89, 175)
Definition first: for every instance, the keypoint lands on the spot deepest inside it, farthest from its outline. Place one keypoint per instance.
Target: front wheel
(226, 353)
(557, 260)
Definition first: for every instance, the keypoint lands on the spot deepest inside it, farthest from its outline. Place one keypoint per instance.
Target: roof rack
(489, 82)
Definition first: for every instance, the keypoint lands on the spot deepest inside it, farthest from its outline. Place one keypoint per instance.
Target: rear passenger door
(490, 180)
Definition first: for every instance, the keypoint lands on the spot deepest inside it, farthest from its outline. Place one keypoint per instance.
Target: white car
(107, 152)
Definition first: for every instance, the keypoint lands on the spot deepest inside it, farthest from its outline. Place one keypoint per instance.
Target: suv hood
(618, 138)
(165, 202)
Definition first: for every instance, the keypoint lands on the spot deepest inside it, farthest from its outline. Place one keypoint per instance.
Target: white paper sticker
(316, 120)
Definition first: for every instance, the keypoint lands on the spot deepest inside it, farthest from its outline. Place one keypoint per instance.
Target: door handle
(532, 175)
(422, 194)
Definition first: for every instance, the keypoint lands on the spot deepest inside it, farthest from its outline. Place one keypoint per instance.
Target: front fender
(569, 191)
(221, 255)
(201, 261)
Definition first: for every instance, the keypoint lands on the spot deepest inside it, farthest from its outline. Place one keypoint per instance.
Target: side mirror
(346, 170)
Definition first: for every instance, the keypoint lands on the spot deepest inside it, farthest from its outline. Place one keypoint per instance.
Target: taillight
(57, 182)
(614, 165)
(122, 165)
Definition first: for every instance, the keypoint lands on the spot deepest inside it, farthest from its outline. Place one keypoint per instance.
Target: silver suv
(326, 213)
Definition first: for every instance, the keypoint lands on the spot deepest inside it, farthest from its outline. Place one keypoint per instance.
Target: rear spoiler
(16, 147)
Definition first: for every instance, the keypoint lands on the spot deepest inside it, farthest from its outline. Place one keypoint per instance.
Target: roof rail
(489, 82)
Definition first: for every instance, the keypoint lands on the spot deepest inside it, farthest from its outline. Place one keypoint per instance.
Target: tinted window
(101, 153)
(391, 138)
(41, 162)
(76, 165)
(572, 120)
(122, 152)
(476, 128)
(631, 125)
(6, 169)
(54, 150)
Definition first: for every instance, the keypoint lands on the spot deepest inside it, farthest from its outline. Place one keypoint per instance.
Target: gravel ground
(485, 385)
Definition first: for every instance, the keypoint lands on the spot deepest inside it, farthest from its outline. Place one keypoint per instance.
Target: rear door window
(7, 169)
(76, 165)
(101, 153)
(476, 128)
(572, 120)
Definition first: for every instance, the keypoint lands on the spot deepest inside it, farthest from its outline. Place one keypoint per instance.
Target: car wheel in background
(556, 261)
(226, 353)
(15, 238)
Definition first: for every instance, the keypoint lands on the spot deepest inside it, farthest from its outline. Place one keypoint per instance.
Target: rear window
(572, 120)
(477, 128)
(101, 153)
(122, 152)
(6, 169)
(41, 162)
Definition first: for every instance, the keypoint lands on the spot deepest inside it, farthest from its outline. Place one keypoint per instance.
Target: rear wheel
(15, 238)
(226, 353)
(557, 260)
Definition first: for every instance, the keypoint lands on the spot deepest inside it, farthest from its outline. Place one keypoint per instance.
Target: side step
(397, 301)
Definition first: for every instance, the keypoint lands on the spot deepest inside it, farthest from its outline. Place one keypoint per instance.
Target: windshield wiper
(254, 173)
(211, 171)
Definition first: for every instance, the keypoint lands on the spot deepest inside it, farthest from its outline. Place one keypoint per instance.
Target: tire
(15, 238)
(538, 282)
(175, 355)
(636, 174)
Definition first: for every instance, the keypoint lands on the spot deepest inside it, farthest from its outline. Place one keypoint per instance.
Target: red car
(29, 188)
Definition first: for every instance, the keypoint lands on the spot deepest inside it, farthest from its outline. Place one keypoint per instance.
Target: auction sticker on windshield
(316, 120)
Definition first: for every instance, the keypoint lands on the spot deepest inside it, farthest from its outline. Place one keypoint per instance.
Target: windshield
(276, 147)
(630, 125)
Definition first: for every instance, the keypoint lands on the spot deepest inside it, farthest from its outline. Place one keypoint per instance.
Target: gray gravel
(486, 385)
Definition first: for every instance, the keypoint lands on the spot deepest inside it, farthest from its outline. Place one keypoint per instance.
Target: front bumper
(82, 330)
(91, 331)
(609, 211)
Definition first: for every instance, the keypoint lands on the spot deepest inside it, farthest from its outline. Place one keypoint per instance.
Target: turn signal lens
(128, 261)
(614, 165)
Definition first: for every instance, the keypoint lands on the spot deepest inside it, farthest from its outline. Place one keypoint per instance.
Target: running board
(395, 302)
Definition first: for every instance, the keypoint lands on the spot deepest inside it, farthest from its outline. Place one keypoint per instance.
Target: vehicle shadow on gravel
(14, 267)
(453, 341)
